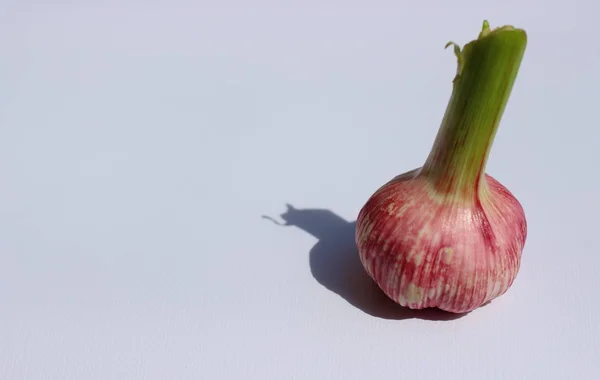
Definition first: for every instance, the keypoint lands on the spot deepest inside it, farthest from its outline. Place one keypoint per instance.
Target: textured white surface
(140, 145)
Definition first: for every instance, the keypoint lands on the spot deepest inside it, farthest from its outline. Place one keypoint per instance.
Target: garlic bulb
(448, 235)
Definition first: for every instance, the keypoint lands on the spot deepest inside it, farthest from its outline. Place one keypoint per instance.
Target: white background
(141, 144)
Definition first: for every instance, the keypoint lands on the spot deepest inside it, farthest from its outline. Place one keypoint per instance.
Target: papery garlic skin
(425, 251)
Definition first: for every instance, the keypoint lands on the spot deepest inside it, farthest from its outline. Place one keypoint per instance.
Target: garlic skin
(426, 250)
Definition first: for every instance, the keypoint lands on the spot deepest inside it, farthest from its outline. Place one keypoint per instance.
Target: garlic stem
(487, 69)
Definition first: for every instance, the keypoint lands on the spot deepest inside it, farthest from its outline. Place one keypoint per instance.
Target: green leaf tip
(458, 55)
(485, 29)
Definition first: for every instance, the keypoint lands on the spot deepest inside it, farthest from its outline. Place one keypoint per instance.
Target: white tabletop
(147, 153)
